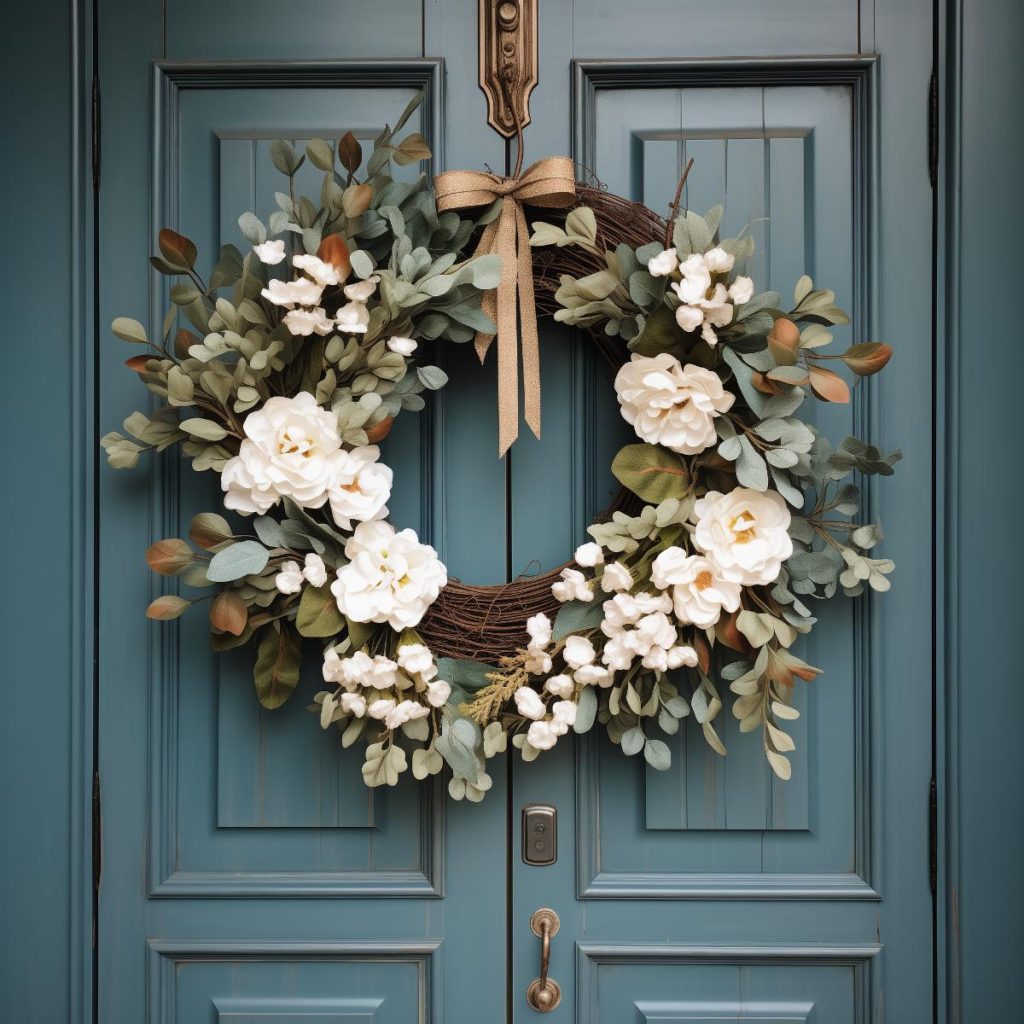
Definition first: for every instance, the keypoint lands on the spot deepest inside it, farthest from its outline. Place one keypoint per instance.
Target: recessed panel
(782, 162)
(246, 800)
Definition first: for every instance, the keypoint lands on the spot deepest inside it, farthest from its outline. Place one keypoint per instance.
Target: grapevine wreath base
(299, 353)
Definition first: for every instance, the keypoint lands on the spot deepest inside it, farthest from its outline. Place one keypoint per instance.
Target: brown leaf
(350, 152)
(764, 385)
(728, 634)
(177, 250)
(137, 363)
(377, 433)
(828, 385)
(356, 199)
(169, 557)
(867, 358)
(703, 649)
(170, 606)
(229, 613)
(333, 250)
(183, 341)
(784, 341)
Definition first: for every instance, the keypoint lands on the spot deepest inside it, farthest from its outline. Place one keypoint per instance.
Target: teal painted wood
(980, 755)
(250, 875)
(697, 863)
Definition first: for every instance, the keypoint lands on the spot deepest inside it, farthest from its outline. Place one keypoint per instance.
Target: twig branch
(674, 209)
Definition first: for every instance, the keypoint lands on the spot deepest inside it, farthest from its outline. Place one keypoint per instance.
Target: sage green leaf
(229, 268)
(460, 756)
(203, 428)
(321, 154)
(362, 264)
(470, 675)
(131, 330)
(658, 755)
(651, 472)
(586, 710)
(242, 559)
(633, 741)
(576, 617)
(284, 157)
(582, 222)
(276, 672)
(751, 470)
(318, 613)
(432, 377)
(252, 227)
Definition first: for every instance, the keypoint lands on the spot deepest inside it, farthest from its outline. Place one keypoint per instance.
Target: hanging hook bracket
(508, 62)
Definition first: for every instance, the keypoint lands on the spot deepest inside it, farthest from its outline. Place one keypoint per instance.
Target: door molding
(860, 75)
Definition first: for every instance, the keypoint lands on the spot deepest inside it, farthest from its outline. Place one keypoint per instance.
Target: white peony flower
(289, 579)
(542, 735)
(589, 555)
(300, 292)
(578, 651)
(314, 569)
(353, 318)
(360, 487)
(349, 672)
(390, 577)
(304, 322)
(360, 291)
(718, 261)
(616, 577)
(663, 264)
(417, 660)
(353, 704)
(741, 290)
(699, 591)
(695, 282)
(289, 450)
(539, 629)
(321, 272)
(744, 533)
(672, 405)
(438, 693)
(560, 686)
(528, 703)
(403, 346)
(270, 252)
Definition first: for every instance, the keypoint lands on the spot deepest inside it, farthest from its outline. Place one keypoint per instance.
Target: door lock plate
(540, 834)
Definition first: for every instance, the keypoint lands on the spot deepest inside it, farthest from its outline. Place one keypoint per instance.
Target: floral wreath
(736, 514)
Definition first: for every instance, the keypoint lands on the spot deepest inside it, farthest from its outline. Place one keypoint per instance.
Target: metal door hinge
(933, 835)
(933, 130)
(96, 133)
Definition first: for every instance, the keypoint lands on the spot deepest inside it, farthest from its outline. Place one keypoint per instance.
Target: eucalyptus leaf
(244, 558)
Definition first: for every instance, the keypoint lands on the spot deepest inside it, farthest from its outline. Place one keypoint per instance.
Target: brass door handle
(544, 993)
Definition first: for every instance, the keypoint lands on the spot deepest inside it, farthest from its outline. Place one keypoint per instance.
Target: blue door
(247, 874)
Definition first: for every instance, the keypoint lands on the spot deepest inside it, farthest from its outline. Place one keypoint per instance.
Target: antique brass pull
(544, 993)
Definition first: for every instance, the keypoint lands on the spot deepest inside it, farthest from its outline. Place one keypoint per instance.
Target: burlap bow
(550, 183)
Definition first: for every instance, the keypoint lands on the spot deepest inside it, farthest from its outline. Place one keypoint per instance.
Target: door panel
(249, 873)
(713, 891)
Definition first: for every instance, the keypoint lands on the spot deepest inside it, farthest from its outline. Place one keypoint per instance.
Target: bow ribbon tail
(508, 370)
(530, 343)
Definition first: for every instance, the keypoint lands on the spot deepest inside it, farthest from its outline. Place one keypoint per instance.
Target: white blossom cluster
(394, 692)
(705, 300)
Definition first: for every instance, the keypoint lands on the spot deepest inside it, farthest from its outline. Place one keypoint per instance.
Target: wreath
(734, 512)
